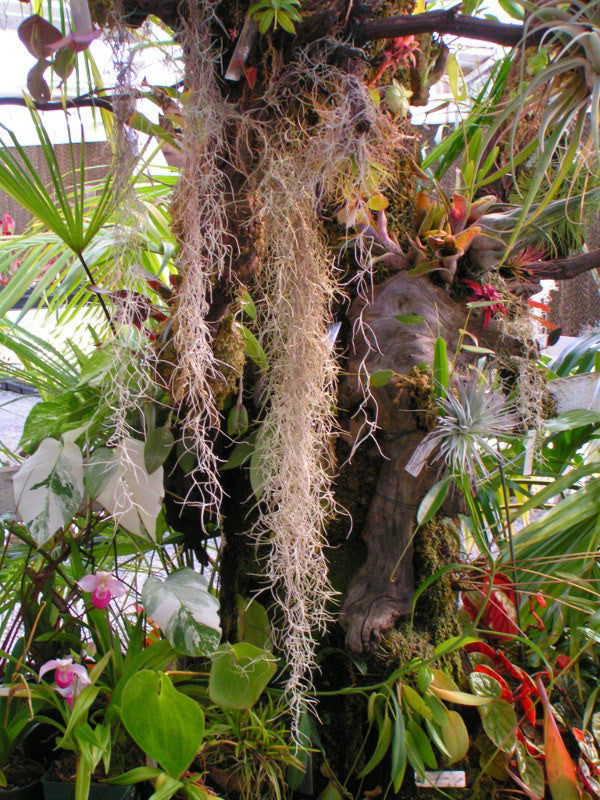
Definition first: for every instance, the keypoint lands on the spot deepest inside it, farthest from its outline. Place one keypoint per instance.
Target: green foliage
(64, 210)
(167, 725)
(230, 717)
(269, 13)
(239, 674)
(184, 610)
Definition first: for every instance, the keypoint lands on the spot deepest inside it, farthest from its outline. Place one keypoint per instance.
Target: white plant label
(446, 779)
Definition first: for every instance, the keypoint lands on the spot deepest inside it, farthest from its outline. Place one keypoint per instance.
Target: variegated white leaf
(49, 488)
(132, 496)
(184, 610)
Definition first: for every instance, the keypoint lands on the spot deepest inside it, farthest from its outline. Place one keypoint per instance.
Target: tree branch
(449, 21)
(563, 269)
(58, 105)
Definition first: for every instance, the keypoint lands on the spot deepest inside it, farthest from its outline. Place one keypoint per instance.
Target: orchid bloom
(82, 33)
(70, 678)
(103, 587)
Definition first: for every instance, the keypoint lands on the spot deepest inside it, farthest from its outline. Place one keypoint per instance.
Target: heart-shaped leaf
(500, 723)
(531, 773)
(166, 724)
(98, 470)
(239, 674)
(253, 623)
(159, 444)
(485, 685)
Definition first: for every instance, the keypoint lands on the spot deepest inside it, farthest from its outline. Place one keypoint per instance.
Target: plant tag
(448, 779)
(419, 458)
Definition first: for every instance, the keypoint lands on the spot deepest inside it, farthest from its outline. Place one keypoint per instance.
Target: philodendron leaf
(253, 623)
(131, 495)
(98, 470)
(49, 487)
(239, 674)
(184, 610)
(166, 724)
(159, 444)
(455, 737)
(500, 723)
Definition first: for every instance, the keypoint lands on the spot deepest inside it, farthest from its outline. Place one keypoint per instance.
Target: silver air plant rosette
(470, 414)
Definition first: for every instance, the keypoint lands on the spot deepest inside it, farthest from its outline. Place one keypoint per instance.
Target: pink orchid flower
(70, 678)
(82, 33)
(68, 693)
(103, 587)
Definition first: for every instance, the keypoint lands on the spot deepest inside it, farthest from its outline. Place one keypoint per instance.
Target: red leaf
(560, 769)
(537, 304)
(250, 73)
(543, 321)
(529, 708)
(458, 209)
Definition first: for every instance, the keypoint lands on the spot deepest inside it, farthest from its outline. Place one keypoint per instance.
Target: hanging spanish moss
(198, 212)
(302, 171)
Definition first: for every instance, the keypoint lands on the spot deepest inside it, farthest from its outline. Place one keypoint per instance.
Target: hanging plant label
(419, 458)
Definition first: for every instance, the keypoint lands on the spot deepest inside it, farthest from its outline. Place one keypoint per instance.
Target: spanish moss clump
(198, 211)
(529, 385)
(298, 279)
(129, 382)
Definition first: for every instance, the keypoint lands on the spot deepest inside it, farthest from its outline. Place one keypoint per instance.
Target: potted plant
(84, 740)
(20, 776)
(91, 737)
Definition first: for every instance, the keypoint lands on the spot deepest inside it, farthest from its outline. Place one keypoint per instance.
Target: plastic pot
(55, 790)
(30, 788)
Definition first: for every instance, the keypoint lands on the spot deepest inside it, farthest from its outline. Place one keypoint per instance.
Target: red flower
(486, 293)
